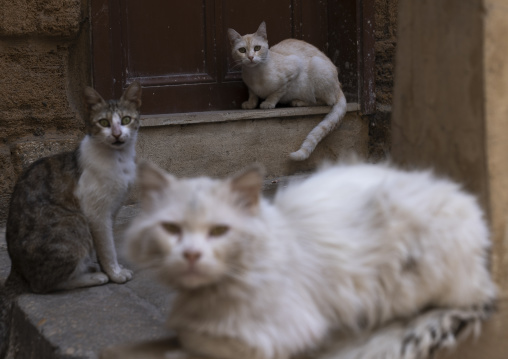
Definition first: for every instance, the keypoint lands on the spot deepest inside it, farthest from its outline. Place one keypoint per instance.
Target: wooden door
(179, 51)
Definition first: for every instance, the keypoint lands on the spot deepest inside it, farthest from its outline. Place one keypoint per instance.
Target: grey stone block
(80, 323)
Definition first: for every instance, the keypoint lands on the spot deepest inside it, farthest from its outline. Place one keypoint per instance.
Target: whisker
(237, 64)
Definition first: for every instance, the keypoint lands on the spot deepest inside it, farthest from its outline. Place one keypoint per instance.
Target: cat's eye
(126, 120)
(257, 48)
(218, 231)
(104, 122)
(172, 228)
(243, 50)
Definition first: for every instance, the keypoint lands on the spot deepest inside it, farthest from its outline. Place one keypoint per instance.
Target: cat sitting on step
(292, 72)
(359, 261)
(62, 207)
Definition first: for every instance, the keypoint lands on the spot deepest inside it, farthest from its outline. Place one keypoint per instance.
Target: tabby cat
(62, 208)
(292, 72)
(359, 261)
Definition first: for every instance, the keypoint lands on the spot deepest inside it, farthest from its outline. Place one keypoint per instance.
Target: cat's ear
(93, 98)
(261, 31)
(233, 36)
(248, 185)
(132, 95)
(152, 182)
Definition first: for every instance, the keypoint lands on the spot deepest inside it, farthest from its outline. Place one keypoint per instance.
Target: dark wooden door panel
(193, 97)
(343, 42)
(179, 51)
(160, 51)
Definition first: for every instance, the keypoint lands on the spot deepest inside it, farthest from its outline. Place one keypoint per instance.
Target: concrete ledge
(196, 146)
(80, 323)
(236, 115)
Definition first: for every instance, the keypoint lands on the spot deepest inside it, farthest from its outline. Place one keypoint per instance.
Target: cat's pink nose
(192, 256)
(251, 58)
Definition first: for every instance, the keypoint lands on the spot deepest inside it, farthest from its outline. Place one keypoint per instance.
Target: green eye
(257, 48)
(172, 228)
(126, 120)
(104, 122)
(218, 231)
(243, 50)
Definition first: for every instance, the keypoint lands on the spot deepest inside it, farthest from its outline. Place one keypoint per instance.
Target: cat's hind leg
(59, 254)
(84, 280)
(442, 328)
(86, 274)
(418, 338)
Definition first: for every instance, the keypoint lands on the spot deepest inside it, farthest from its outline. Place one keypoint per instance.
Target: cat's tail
(321, 130)
(5, 306)
(14, 285)
(419, 338)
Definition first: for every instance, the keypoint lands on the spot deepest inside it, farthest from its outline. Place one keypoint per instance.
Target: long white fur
(292, 72)
(340, 255)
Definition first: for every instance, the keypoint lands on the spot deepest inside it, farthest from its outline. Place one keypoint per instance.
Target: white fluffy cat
(359, 261)
(292, 72)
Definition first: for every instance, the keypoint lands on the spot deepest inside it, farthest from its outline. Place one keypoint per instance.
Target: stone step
(223, 142)
(80, 323)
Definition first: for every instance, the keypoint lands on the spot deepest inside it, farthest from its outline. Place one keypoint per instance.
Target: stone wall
(385, 35)
(44, 62)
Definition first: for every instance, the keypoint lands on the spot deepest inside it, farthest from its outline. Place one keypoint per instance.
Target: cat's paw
(99, 278)
(249, 105)
(440, 329)
(299, 103)
(120, 275)
(266, 105)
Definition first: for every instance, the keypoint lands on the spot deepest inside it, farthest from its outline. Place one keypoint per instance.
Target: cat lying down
(359, 261)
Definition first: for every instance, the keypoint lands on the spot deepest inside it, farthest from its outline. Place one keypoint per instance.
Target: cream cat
(359, 261)
(291, 72)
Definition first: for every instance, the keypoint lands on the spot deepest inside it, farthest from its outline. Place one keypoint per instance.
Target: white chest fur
(106, 177)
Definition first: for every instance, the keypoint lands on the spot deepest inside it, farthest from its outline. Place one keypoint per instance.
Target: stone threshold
(190, 118)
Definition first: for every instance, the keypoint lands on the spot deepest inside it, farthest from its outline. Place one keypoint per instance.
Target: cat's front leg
(102, 232)
(300, 103)
(252, 102)
(273, 99)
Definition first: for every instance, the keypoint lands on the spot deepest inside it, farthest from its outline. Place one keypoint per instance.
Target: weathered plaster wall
(44, 62)
(451, 114)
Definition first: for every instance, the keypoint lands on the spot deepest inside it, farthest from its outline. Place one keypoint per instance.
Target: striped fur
(59, 228)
